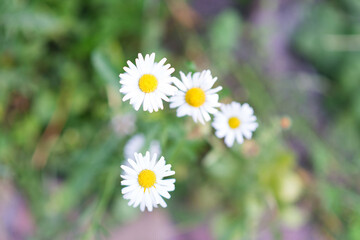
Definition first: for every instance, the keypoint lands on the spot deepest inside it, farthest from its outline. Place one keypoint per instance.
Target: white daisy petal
(246, 133)
(148, 201)
(168, 184)
(179, 84)
(239, 138)
(142, 206)
(128, 182)
(146, 188)
(132, 196)
(229, 139)
(159, 102)
(214, 90)
(195, 97)
(146, 103)
(220, 133)
(162, 191)
(182, 110)
(128, 170)
(159, 199)
(139, 100)
(127, 177)
(168, 173)
(128, 189)
(234, 122)
(153, 199)
(205, 114)
(160, 164)
(162, 61)
(138, 198)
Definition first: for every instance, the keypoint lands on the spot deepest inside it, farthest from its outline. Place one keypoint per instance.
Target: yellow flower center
(195, 97)
(234, 122)
(146, 178)
(148, 83)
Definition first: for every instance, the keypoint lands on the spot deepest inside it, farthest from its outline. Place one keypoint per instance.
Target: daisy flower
(234, 121)
(148, 83)
(196, 97)
(144, 181)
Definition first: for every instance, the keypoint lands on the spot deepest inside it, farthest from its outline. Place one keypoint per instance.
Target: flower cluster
(149, 83)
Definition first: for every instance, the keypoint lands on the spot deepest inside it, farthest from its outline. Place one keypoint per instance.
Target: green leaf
(104, 69)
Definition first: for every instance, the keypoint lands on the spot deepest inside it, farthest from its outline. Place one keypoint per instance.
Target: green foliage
(60, 62)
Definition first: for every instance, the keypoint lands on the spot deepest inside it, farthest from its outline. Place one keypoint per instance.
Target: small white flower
(196, 97)
(137, 142)
(234, 121)
(144, 181)
(147, 83)
(123, 124)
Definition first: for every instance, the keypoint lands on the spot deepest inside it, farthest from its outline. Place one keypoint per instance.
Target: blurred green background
(64, 127)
